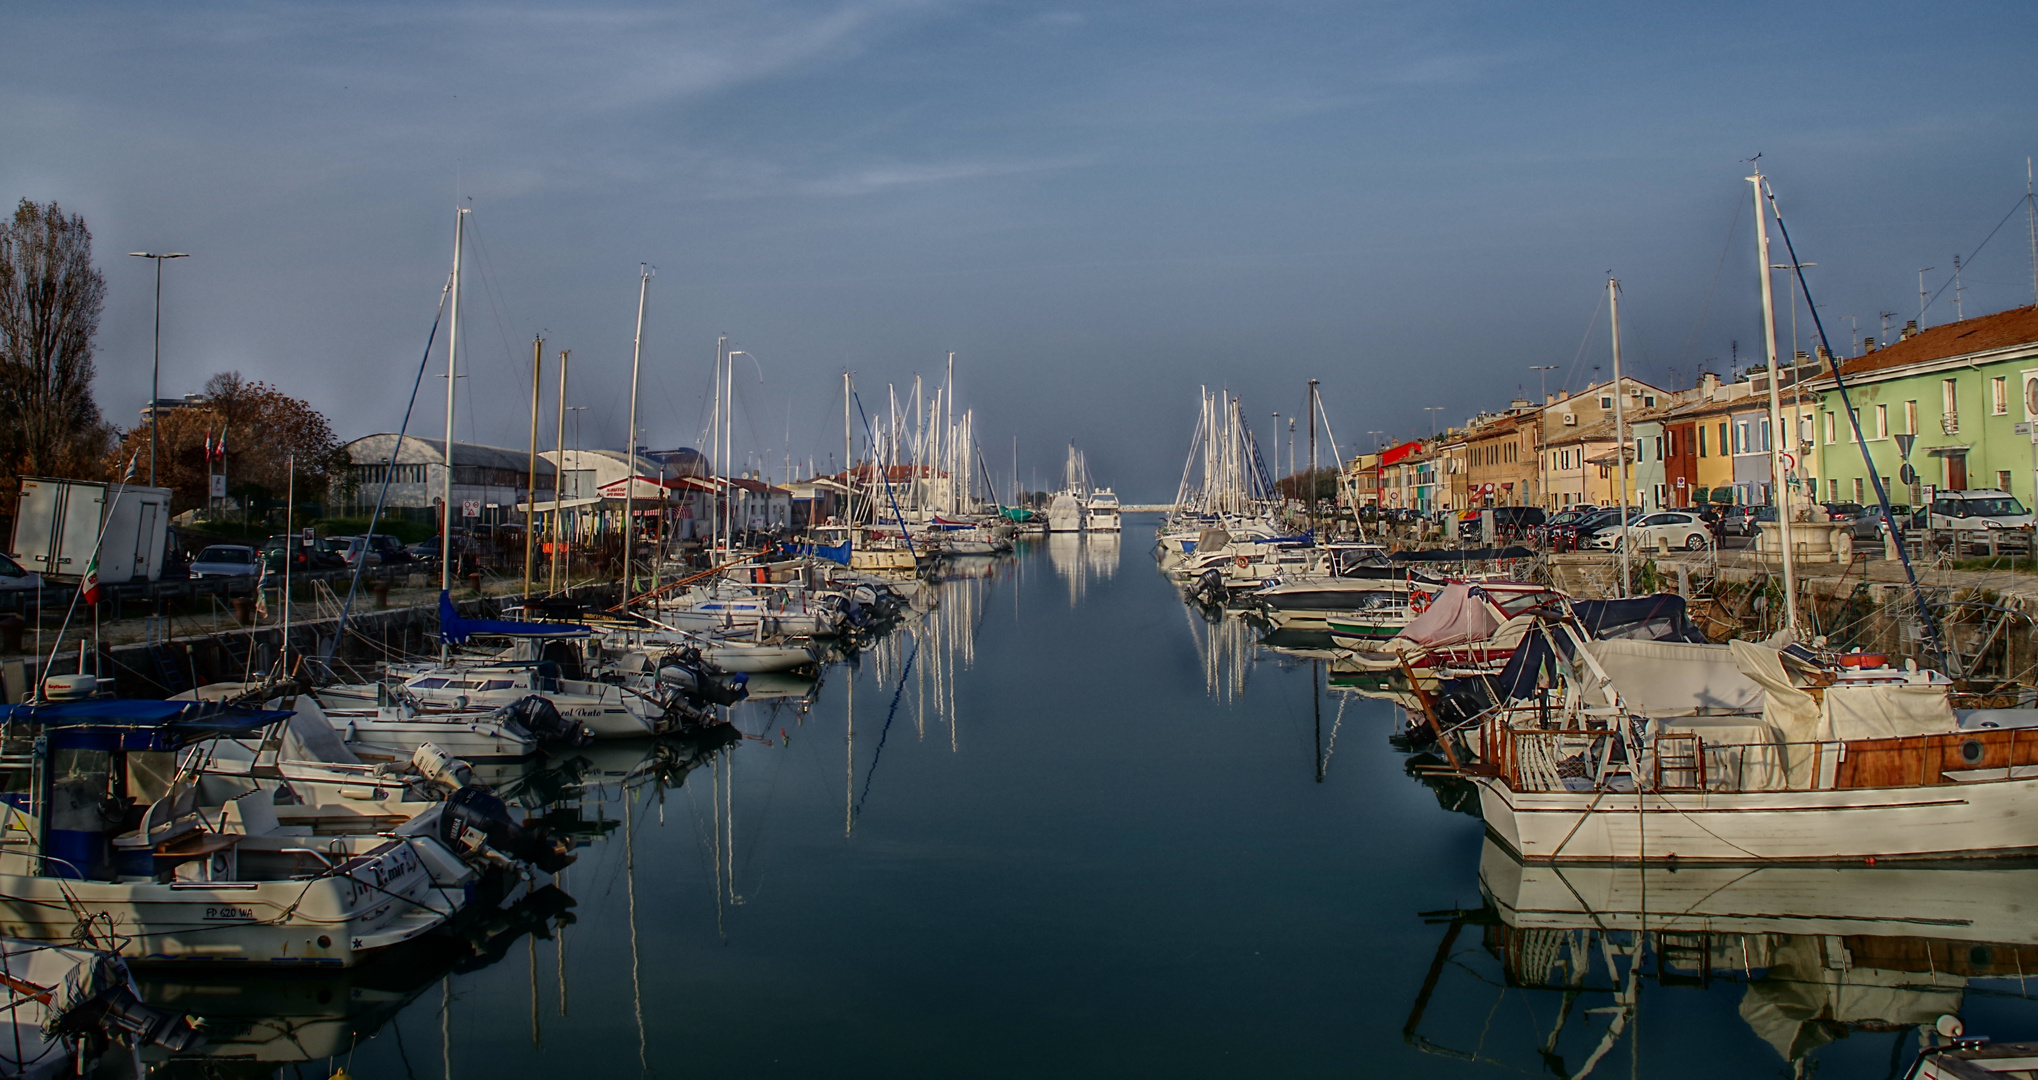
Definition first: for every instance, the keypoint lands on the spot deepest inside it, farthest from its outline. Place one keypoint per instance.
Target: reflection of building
(1818, 951)
(489, 478)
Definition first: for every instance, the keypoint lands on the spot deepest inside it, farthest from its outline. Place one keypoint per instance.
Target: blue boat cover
(147, 724)
(1659, 617)
(835, 553)
(455, 629)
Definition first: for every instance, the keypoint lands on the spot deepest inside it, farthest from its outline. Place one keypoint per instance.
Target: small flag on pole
(90, 585)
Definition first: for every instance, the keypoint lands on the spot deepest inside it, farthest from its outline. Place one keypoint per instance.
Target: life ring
(1243, 562)
(1418, 602)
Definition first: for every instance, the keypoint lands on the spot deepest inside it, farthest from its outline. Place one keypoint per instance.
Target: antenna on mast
(1921, 295)
(2031, 218)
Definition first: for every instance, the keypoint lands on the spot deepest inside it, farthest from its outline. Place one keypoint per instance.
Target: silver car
(225, 560)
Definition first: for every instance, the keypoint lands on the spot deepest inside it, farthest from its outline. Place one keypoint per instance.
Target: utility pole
(1778, 482)
(1959, 309)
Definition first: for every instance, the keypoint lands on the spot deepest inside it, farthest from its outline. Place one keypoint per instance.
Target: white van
(1983, 509)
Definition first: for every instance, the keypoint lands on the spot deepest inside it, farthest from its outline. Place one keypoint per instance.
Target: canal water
(1067, 826)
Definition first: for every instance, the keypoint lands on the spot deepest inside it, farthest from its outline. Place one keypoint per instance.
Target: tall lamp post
(156, 366)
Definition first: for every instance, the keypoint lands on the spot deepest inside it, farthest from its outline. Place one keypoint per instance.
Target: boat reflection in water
(257, 1024)
(1820, 952)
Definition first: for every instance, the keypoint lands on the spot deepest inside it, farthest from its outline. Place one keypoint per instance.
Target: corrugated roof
(2017, 326)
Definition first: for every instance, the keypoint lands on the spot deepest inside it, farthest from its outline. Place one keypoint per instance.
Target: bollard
(474, 579)
(381, 591)
(244, 610)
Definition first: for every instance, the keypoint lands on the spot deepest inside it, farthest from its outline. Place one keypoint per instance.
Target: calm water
(1074, 829)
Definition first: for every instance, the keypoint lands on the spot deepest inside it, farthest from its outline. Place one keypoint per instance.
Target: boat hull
(1984, 819)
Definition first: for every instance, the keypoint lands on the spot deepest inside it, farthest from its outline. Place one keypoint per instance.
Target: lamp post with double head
(156, 365)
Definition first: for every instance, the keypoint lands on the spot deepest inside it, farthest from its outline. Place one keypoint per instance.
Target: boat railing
(1607, 759)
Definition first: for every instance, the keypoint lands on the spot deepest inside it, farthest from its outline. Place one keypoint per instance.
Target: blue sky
(1098, 208)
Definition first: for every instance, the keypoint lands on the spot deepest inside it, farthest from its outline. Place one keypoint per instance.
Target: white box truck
(58, 522)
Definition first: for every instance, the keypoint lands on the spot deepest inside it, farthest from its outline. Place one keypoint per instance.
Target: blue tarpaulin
(455, 629)
(147, 724)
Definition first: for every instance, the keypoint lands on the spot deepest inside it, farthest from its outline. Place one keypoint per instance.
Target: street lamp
(156, 366)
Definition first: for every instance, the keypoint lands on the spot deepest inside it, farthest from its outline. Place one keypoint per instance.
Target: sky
(1098, 208)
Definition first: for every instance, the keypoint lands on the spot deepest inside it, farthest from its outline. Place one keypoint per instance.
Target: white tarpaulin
(1742, 753)
(1794, 713)
(1885, 712)
(1455, 617)
(1671, 678)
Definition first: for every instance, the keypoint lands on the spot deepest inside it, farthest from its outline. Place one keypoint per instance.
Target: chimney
(1825, 356)
(1549, 399)
(1563, 395)
(1868, 344)
(1708, 384)
(1910, 329)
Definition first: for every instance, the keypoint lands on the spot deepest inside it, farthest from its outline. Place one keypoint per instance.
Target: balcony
(1950, 423)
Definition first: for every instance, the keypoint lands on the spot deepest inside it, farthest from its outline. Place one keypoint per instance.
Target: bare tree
(50, 299)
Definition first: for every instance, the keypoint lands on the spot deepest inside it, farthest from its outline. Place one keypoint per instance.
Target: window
(1949, 404)
(1765, 435)
(1659, 448)
(1857, 490)
(1910, 418)
(1741, 437)
(2002, 475)
(1606, 401)
(1999, 395)
(1829, 429)
(1882, 421)
(1725, 447)
(1832, 485)
(1701, 440)
(1649, 401)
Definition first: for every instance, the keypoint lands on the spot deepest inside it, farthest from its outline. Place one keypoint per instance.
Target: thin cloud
(880, 178)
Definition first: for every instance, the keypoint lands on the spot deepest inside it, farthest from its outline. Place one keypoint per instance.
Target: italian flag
(91, 583)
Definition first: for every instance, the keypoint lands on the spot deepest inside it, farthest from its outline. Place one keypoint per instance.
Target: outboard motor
(541, 720)
(685, 671)
(478, 809)
(121, 1012)
(853, 613)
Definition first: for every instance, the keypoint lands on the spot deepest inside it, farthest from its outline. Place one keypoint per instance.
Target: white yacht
(1065, 513)
(1102, 515)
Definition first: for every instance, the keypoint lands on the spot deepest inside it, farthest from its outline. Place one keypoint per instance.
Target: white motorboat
(1101, 512)
(1064, 513)
(204, 878)
(606, 710)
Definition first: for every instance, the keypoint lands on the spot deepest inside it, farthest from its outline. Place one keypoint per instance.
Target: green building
(1961, 389)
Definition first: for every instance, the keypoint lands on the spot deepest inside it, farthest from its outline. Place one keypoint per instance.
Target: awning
(564, 504)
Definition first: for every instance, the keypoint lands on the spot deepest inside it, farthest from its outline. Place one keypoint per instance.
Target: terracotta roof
(1982, 333)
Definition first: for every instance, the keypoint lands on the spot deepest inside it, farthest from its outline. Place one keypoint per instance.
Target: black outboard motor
(685, 671)
(541, 720)
(479, 809)
(853, 612)
(120, 1012)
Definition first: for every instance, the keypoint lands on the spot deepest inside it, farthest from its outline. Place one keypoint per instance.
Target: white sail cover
(1671, 678)
(1886, 711)
(1460, 613)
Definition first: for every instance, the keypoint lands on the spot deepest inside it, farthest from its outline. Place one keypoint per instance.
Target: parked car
(1841, 511)
(352, 549)
(428, 549)
(15, 576)
(278, 548)
(389, 548)
(1868, 524)
(1742, 520)
(1985, 508)
(1682, 528)
(1509, 522)
(225, 560)
(1576, 534)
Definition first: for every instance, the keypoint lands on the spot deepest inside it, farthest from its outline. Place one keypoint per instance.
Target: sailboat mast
(1778, 487)
(848, 466)
(559, 471)
(630, 444)
(531, 489)
(452, 381)
(1312, 453)
(1620, 434)
(715, 454)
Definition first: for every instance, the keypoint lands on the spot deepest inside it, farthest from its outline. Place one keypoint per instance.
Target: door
(1956, 472)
